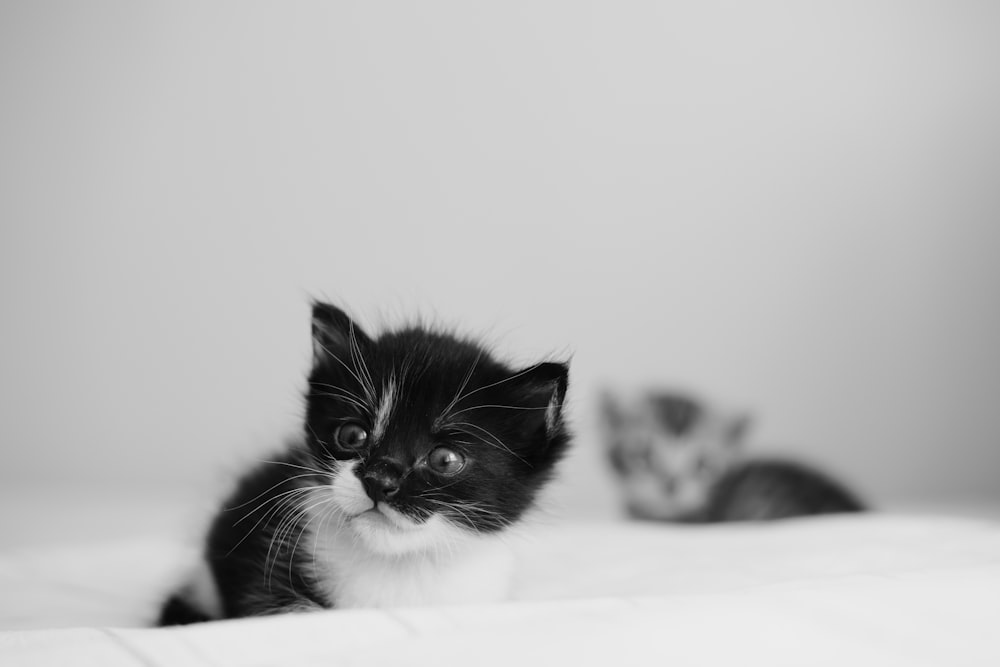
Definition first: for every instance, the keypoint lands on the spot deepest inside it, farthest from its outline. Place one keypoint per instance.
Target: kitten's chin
(383, 518)
(387, 532)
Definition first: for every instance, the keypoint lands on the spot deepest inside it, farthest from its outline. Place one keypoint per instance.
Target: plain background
(791, 208)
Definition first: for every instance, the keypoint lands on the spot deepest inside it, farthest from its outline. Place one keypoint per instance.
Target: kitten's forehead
(424, 377)
(433, 366)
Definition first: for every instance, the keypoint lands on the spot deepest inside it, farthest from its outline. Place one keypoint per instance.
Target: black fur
(760, 490)
(179, 611)
(450, 391)
(256, 571)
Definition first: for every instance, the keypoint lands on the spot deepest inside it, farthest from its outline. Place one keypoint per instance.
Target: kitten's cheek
(348, 493)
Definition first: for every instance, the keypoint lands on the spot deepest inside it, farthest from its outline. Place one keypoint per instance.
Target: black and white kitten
(678, 458)
(419, 450)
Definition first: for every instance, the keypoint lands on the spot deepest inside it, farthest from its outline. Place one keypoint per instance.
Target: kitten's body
(420, 451)
(680, 459)
(760, 490)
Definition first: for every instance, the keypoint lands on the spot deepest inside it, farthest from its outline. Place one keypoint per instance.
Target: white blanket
(868, 590)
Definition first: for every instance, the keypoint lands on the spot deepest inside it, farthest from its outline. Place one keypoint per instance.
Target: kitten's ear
(546, 385)
(333, 332)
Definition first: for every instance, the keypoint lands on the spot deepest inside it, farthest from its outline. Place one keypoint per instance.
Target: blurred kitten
(679, 459)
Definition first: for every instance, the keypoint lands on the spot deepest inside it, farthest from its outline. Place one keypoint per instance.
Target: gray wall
(792, 208)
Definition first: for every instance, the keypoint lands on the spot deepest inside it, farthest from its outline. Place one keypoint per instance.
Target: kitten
(420, 450)
(679, 459)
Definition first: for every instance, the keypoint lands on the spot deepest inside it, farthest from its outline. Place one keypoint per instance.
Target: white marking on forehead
(385, 406)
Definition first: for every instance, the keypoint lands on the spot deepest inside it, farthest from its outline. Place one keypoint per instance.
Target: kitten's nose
(381, 480)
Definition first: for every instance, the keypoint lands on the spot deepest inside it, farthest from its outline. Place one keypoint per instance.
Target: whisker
(499, 443)
(316, 435)
(361, 367)
(504, 407)
(336, 514)
(290, 492)
(282, 534)
(269, 514)
(443, 486)
(281, 538)
(271, 488)
(499, 382)
(295, 465)
(363, 407)
(338, 388)
(348, 369)
(405, 369)
(305, 529)
(470, 511)
(458, 394)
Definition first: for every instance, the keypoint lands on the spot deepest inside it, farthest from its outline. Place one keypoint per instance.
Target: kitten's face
(425, 436)
(668, 451)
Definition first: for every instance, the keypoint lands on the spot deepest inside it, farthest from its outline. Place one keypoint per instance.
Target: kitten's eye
(446, 461)
(351, 436)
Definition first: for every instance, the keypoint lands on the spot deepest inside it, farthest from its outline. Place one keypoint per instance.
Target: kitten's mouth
(383, 515)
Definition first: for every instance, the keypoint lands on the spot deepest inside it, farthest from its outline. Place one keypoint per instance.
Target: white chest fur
(470, 570)
(377, 557)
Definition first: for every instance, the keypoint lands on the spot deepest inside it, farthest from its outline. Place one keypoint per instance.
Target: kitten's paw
(179, 611)
(276, 608)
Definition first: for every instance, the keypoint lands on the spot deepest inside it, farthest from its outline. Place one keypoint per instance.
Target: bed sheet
(879, 590)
